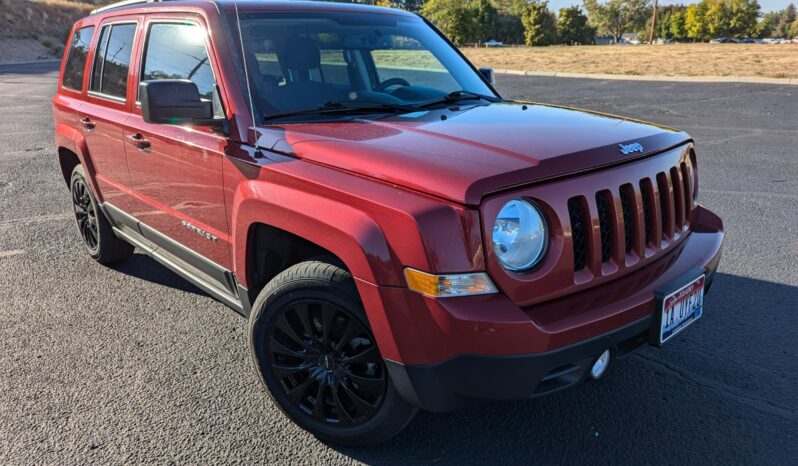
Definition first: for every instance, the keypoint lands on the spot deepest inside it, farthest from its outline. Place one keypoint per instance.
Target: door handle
(138, 141)
(87, 123)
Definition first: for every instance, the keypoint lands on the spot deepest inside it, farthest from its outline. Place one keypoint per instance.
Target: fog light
(601, 364)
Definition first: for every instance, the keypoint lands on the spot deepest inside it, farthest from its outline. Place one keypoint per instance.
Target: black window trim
(111, 25)
(69, 56)
(180, 22)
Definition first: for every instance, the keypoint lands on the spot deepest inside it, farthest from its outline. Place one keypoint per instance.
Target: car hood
(464, 153)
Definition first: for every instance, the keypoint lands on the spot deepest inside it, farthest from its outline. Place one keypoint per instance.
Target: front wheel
(315, 353)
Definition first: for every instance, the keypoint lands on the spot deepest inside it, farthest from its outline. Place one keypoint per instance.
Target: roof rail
(121, 4)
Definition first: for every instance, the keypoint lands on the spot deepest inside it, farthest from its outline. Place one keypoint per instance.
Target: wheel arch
(312, 224)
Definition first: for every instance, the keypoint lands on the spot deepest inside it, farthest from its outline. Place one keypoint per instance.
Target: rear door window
(76, 60)
(177, 51)
(112, 61)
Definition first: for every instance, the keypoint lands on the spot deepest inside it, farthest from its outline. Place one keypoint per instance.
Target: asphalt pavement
(133, 364)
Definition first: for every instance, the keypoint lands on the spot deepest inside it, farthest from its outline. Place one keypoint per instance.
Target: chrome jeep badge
(627, 149)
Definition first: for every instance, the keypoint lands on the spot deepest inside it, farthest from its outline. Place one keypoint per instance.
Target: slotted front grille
(654, 212)
(578, 232)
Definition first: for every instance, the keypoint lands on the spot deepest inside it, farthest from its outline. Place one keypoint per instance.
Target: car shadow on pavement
(146, 268)
(647, 402)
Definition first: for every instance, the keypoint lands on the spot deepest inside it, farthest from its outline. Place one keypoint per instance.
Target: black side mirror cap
(175, 102)
(488, 74)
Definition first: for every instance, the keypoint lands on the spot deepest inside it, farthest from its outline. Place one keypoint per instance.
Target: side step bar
(195, 268)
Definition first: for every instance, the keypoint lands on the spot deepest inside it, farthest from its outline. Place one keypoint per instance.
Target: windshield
(303, 61)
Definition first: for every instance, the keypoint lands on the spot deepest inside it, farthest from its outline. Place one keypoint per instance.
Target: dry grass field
(740, 60)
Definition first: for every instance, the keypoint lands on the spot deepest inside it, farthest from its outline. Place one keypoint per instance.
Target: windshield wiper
(457, 96)
(333, 108)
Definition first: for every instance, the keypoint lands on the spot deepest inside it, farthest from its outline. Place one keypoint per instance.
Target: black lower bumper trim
(468, 379)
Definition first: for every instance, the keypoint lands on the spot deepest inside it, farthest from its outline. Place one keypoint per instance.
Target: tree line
(532, 22)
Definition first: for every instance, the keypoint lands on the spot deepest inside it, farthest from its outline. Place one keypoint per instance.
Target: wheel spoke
(327, 318)
(343, 414)
(280, 348)
(303, 314)
(318, 404)
(369, 385)
(367, 355)
(297, 394)
(361, 405)
(285, 326)
(350, 332)
(282, 371)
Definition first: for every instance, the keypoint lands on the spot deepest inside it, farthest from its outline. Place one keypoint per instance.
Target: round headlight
(519, 235)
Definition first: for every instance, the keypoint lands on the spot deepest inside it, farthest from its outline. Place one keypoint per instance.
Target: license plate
(681, 308)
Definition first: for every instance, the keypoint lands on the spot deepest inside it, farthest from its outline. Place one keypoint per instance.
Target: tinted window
(76, 60)
(177, 51)
(305, 60)
(112, 61)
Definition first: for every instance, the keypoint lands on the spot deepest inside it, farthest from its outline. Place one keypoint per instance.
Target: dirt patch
(37, 29)
(739, 60)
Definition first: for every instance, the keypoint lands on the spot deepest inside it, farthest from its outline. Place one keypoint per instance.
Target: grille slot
(646, 195)
(665, 205)
(627, 194)
(678, 197)
(688, 195)
(578, 232)
(603, 198)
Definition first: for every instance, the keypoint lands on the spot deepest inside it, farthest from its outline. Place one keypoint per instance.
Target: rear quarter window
(76, 58)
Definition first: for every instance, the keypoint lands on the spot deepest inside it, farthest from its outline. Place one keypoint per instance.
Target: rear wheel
(97, 234)
(314, 350)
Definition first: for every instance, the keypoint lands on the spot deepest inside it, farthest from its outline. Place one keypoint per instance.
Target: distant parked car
(493, 43)
(746, 40)
(722, 40)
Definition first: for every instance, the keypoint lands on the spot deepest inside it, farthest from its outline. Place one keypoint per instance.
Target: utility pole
(653, 24)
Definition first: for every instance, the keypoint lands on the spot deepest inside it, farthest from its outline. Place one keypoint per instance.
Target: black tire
(313, 349)
(98, 236)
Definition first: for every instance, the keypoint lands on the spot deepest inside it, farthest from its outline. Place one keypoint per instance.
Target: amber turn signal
(448, 285)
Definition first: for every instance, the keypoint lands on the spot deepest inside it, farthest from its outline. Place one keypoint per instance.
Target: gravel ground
(133, 364)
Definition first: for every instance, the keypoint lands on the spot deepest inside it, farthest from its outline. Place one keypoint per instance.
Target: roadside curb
(31, 62)
(624, 77)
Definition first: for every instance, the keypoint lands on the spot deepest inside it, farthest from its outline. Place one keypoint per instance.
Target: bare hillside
(36, 29)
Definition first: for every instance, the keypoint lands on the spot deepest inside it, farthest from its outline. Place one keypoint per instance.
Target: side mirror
(487, 73)
(174, 102)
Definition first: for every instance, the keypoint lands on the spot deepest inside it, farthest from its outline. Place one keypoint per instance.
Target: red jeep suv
(398, 235)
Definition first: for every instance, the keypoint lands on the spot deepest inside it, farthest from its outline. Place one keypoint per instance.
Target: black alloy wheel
(327, 362)
(314, 350)
(85, 214)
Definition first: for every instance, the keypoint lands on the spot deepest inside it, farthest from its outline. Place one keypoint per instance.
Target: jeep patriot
(399, 236)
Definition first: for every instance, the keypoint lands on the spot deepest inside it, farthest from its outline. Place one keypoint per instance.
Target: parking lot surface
(133, 364)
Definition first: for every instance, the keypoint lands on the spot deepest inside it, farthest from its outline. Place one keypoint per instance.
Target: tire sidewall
(79, 173)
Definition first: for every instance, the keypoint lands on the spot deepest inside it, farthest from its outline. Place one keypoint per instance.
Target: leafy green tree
(785, 22)
(616, 17)
(455, 18)
(485, 15)
(767, 26)
(676, 28)
(794, 30)
(718, 19)
(540, 24)
(743, 17)
(695, 21)
(509, 27)
(573, 29)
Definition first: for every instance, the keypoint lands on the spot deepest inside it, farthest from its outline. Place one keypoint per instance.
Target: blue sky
(767, 5)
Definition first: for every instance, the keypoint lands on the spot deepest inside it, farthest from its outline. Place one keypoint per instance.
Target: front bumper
(443, 354)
